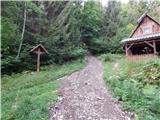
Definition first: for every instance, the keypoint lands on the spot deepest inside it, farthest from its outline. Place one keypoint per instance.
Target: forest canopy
(67, 29)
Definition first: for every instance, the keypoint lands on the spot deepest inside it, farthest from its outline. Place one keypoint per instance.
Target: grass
(136, 84)
(27, 96)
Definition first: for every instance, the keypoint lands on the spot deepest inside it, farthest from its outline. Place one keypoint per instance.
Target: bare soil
(84, 96)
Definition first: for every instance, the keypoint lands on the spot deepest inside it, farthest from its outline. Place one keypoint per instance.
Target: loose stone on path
(83, 96)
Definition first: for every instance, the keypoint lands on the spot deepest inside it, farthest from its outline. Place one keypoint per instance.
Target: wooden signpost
(39, 49)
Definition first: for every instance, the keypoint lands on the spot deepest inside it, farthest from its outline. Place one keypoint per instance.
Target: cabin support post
(128, 47)
(38, 59)
(148, 43)
(154, 47)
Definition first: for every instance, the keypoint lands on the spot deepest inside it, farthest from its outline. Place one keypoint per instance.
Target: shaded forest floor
(83, 96)
(136, 84)
(27, 95)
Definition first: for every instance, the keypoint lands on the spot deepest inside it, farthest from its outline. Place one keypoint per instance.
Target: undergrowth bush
(110, 57)
(137, 85)
(28, 95)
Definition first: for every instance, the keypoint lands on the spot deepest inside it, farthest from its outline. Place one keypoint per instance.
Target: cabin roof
(142, 38)
(39, 46)
(140, 21)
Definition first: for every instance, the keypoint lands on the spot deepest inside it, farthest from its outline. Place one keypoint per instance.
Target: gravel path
(84, 96)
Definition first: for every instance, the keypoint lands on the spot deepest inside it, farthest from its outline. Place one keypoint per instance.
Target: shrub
(137, 85)
(110, 57)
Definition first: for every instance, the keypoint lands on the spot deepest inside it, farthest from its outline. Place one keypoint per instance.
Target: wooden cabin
(145, 38)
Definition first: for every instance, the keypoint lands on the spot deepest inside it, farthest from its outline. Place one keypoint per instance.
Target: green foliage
(67, 29)
(111, 19)
(58, 31)
(110, 57)
(27, 96)
(119, 20)
(111, 27)
(8, 31)
(97, 46)
(12, 20)
(66, 35)
(136, 84)
(91, 26)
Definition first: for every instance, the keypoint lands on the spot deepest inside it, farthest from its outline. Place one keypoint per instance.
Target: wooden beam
(38, 59)
(154, 47)
(130, 45)
(126, 49)
(140, 42)
(39, 52)
(149, 43)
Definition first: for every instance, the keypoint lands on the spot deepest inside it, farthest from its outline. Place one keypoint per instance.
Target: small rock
(86, 83)
(132, 115)
(56, 107)
(99, 98)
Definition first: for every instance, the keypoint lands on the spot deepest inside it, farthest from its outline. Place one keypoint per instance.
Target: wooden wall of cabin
(147, 22)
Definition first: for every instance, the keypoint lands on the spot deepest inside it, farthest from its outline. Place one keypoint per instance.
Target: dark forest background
(67, 29)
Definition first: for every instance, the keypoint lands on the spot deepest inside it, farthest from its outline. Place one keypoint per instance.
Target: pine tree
(66, 34)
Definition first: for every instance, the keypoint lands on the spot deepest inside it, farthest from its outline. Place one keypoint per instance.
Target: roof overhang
(39, 46)
(142, 38)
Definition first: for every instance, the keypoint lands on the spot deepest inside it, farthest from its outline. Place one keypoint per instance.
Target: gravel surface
(83, 96)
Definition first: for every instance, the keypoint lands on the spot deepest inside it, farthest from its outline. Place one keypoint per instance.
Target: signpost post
(39, 49)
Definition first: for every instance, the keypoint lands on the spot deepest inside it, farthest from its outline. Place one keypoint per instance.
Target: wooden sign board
(39, 49)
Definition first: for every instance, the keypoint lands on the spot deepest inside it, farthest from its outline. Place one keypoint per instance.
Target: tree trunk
(23, 30)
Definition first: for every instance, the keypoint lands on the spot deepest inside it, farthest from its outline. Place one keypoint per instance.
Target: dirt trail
(84, 96)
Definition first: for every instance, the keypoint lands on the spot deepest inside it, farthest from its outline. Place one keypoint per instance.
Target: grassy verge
(27, 96)
(136, 84)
